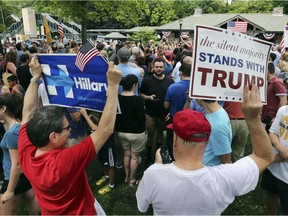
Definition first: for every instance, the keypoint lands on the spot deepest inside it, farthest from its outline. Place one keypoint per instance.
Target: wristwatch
(38, 81)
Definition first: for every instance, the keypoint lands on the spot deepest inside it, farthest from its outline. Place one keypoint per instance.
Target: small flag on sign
(85, 54)
(60, 31)
(282, 44)
(237, 26)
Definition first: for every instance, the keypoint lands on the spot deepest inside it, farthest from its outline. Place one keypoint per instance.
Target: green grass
(122, 200)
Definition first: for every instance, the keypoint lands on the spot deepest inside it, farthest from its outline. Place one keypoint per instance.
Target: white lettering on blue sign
(86, 84)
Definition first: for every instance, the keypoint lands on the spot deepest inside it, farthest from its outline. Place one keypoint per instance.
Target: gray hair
(44, 121)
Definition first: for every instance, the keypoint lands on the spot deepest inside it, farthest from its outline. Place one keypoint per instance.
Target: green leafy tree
(251, 6)
(216, 6)
(131, 13)
(79, 11)
(280, 3)
(158, 12)
(5, 18)
(260, 6)
(184, 8)
(238, 6)
(144, 35)
(127, 13)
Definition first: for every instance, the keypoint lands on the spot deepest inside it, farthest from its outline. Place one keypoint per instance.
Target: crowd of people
(46, 148)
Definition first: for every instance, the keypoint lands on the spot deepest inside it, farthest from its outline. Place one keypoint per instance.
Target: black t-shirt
(24, 76)
(132, 117)
(151, 85)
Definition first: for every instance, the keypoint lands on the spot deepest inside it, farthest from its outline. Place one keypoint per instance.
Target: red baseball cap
(187, 123)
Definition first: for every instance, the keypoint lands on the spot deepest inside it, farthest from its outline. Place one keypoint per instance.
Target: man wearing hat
(123, 57)
(186, 186)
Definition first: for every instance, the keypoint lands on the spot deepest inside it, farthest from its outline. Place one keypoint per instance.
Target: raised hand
(35, 68)
(252, 105)
(113, 75)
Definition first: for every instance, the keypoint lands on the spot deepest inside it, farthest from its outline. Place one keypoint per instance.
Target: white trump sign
(224, 62)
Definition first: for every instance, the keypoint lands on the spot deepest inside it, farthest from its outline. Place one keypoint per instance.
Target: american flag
(282, 44)
(60, 31)
(85, 54)
(237, 26)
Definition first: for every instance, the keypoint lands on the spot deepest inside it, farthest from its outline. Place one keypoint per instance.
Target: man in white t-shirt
(187, 186)
(275, 178)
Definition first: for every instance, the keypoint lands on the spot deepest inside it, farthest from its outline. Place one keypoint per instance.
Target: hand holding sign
(224, 62)
(252, 106)
(113, 75)
(67, 86)
(35, 68)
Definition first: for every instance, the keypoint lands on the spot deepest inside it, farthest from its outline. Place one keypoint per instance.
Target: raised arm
(31, 95)
(88, 119)
(262, 148)
(107, 121)
(75, 116)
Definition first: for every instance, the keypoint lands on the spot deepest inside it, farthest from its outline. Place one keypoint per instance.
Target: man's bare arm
(31, 95)
(226, 158)
(107, 121)
(252, 109)
(283, 151)
(75, 116)
(166, 104)
(282, 101)
(147, 97)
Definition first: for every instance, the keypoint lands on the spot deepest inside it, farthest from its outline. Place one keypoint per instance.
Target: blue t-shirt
(9, 141)
(220, 138)
(176, 95)
(195, 106)
(126, 69)
(167, 69)
(78, 128)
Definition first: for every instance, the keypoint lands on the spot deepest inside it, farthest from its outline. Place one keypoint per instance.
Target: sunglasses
(66, 128)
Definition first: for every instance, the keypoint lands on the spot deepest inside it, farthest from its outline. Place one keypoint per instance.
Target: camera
(164, 154)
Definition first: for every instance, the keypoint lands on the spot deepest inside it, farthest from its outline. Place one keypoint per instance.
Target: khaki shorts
(131, 141)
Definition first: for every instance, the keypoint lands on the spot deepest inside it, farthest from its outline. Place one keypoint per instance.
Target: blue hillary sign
(67, 86)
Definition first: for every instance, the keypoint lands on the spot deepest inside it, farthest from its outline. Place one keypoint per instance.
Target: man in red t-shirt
(276, 97)
(56, 173)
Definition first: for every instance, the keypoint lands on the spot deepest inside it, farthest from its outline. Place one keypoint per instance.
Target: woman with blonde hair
(74, 48)
(283, 66)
